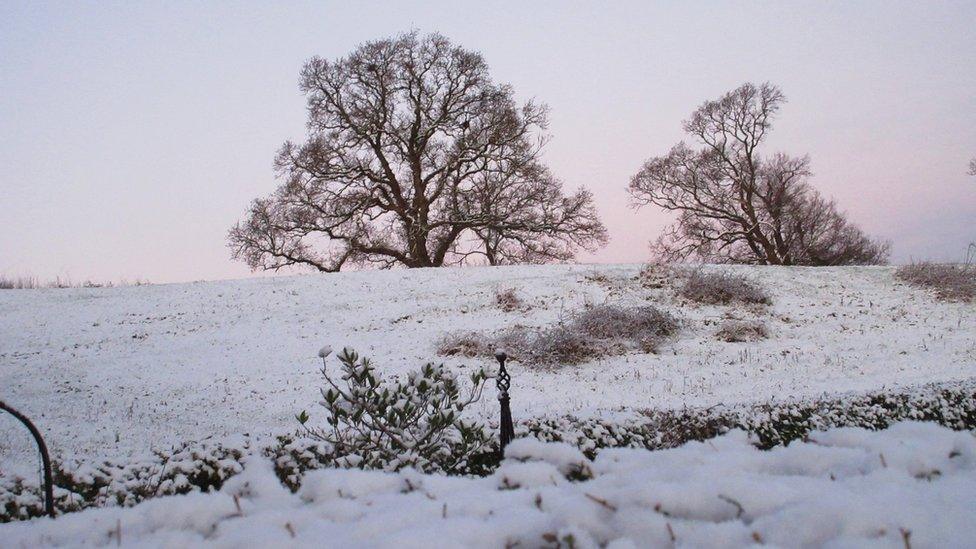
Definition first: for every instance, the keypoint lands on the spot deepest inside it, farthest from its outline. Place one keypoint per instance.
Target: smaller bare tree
(736, 206)
(972, 166)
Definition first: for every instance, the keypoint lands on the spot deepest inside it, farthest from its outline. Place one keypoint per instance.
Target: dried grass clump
(558, 345)
(18, 283)
(33, 283)
(740, 331)
(463, 343)
(722, 289)
(509, 300)
(603, 330)
(658, 275)
(613, 321)
(949, 282)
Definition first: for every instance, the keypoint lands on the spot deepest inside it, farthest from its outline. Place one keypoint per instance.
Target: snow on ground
(107, 372)
(912, 485)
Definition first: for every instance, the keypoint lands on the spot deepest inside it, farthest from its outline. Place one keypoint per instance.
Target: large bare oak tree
(734, 205)
(414, 157)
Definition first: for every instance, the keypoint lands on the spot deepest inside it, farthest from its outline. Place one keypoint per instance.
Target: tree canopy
(414, 157)
(734, 205)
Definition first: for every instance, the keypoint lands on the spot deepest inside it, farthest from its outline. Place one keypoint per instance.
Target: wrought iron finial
(504, 381)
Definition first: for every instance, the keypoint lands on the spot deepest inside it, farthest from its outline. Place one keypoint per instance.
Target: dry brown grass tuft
(722, 289)
(509, 300)
(739, 331)
(18, 283)
(603, 330)
(949, 282)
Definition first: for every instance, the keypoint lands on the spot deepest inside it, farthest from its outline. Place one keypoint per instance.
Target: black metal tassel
(503, 381)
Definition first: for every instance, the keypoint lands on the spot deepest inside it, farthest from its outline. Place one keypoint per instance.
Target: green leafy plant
(412, 422)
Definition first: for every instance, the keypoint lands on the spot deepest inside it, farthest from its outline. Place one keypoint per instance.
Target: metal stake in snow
(45, 458)
(503, 381)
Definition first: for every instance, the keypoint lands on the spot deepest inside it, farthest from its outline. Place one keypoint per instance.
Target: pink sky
(134, 136)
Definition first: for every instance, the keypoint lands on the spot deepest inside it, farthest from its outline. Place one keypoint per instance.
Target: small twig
(671, 532)
(291, 530)
(602, 502)
(738, 506)
(883, 462)
(906, 537)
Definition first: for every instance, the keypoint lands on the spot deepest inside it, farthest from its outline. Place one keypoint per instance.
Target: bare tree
(414, 157)
(734, 205)
(972, 167)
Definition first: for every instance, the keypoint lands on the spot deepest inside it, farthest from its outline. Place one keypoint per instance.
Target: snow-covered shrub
(463, 343)
(738, 331)
(557, 345)
(190, 467)
(206, 466)
(193, 467)
(949, 282)
(771, 424)
(415, 422)
(646, 326)
(508, 300)
(658, 275)
(293, 456)
(722, 289)
(909, 486)
(597, 331)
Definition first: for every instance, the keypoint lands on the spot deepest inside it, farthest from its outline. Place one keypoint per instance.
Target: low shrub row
(952, 405)
(199, 466)
(204, 466)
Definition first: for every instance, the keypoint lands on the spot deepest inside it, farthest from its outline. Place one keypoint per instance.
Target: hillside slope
(107, 372)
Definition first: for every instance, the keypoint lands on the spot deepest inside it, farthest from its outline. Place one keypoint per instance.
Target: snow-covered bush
(949, 282)
(463, 343)
(911, 485)
(201, 466)
(646, 326)
(597, 331)
(557, 345)
(205, 466)
(722, 289)
(415, 422)
(293, 456)
(772, 424)
(509, 300)
(658, 275)
(738, 331)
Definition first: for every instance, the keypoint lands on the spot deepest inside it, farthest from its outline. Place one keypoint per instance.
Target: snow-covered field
(111, 371)
(912, 485)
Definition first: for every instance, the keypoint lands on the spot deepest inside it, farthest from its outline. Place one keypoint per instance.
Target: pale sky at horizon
(134, 135)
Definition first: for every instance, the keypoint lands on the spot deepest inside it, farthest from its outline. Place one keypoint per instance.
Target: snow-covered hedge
(205, 466)
(949, 404)
(911, 485)
(192, 467)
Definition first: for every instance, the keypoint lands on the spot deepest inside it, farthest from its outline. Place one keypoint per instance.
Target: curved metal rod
(45, 457)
